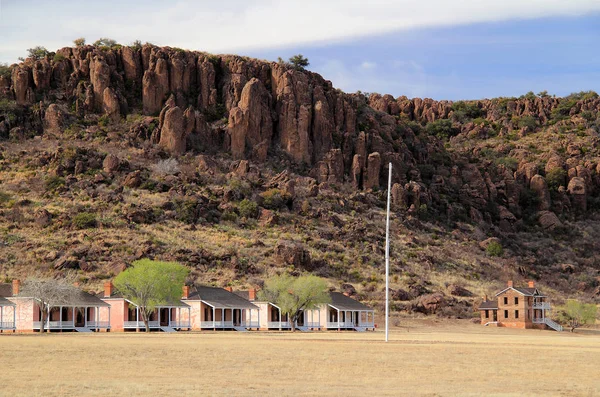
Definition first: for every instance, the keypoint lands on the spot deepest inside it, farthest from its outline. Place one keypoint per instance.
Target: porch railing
(140, 324)
(541, 305)
(180, 324)
(229, 324)
(278, 324)
(98, 324)
(350, 324)
(54, 325)
(7, 325)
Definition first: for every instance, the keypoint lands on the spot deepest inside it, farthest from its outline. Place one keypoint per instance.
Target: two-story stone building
(518, 307)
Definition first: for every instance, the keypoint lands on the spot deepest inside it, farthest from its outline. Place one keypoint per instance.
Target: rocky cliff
(505, 165)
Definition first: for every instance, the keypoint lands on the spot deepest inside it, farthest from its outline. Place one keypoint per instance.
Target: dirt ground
(433, 358)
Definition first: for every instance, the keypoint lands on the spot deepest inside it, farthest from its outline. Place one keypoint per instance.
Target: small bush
(80, 42)
(229, 216)
(470, 109)
(248, 209)
(556, 178)
(529, 122)
(442, 128)
(84, 220)
(136, 45)
(105, 42)
(494, 248)
(103, 120)
(54, 182)
(274, 199)
(4, 198)
(58, 57)
(5, 70)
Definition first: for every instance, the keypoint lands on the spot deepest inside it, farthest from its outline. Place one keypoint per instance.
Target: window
(506, 300)
(487, 314)
(516, 314)
(506, 314)
(516, 300)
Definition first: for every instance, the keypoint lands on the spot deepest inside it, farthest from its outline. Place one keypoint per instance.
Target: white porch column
(14, 318)
(338, 319)
(279, 318)
(60, 318)
(158, 310)
(214, 312)
(1, 317)
(73, 315)
(108, 325)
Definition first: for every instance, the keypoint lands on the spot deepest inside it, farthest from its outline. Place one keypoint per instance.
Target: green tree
(294, 295)
(37, 52)
(442, 128)
(80, 42)
(149, 284)
(105, 42)
(577, 314)
(556, 178)
(299, 62)
(248, 209)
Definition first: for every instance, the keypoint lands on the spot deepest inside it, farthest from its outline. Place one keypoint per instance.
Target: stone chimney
(16, 287)
(510, 284)
(108, 289)
(531, 284)
(228, 289)
(252, 294)
(186, 292)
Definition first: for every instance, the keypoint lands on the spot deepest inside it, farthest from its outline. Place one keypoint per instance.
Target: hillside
(241, 168)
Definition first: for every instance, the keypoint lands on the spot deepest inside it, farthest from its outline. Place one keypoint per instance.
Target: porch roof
(488, 305)
(343, 302)
(5, 302)
(220, 298)
(117, 295)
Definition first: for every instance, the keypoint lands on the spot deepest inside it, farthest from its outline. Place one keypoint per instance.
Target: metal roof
(486, 305)
(343, 302)
(220, 298)
(78, 299)
(523, 291)
(5, 302)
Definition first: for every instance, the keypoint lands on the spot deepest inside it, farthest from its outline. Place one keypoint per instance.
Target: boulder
(457, 290)
(20, 83)
(42, 218)
(111, 106)
(373, 169)
(172, 133)
(111, 164)
(133, 179)
(431, 303)
(100, 79)
(267, 217)
(294, 255)
(539, 186)
(53, 119)
(356, 171)
(348, 289)
(577, 192)
(548, 220)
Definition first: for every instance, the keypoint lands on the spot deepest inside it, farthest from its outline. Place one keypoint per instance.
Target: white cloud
(236, 25)
(368, 65)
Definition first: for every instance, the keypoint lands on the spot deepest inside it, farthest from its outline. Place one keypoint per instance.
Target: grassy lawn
(443, 359)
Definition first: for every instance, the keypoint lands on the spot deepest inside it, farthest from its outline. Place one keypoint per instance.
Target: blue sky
(465, 49)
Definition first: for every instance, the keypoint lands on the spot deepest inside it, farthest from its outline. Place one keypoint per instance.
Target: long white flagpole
(387, 257)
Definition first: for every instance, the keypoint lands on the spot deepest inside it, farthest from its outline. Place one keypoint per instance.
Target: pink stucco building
(80, 312)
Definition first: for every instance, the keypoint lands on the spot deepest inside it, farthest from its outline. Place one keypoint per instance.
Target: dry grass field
(441, 359)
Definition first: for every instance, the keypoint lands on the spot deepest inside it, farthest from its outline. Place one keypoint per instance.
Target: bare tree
(169, 166)
(48, 293)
